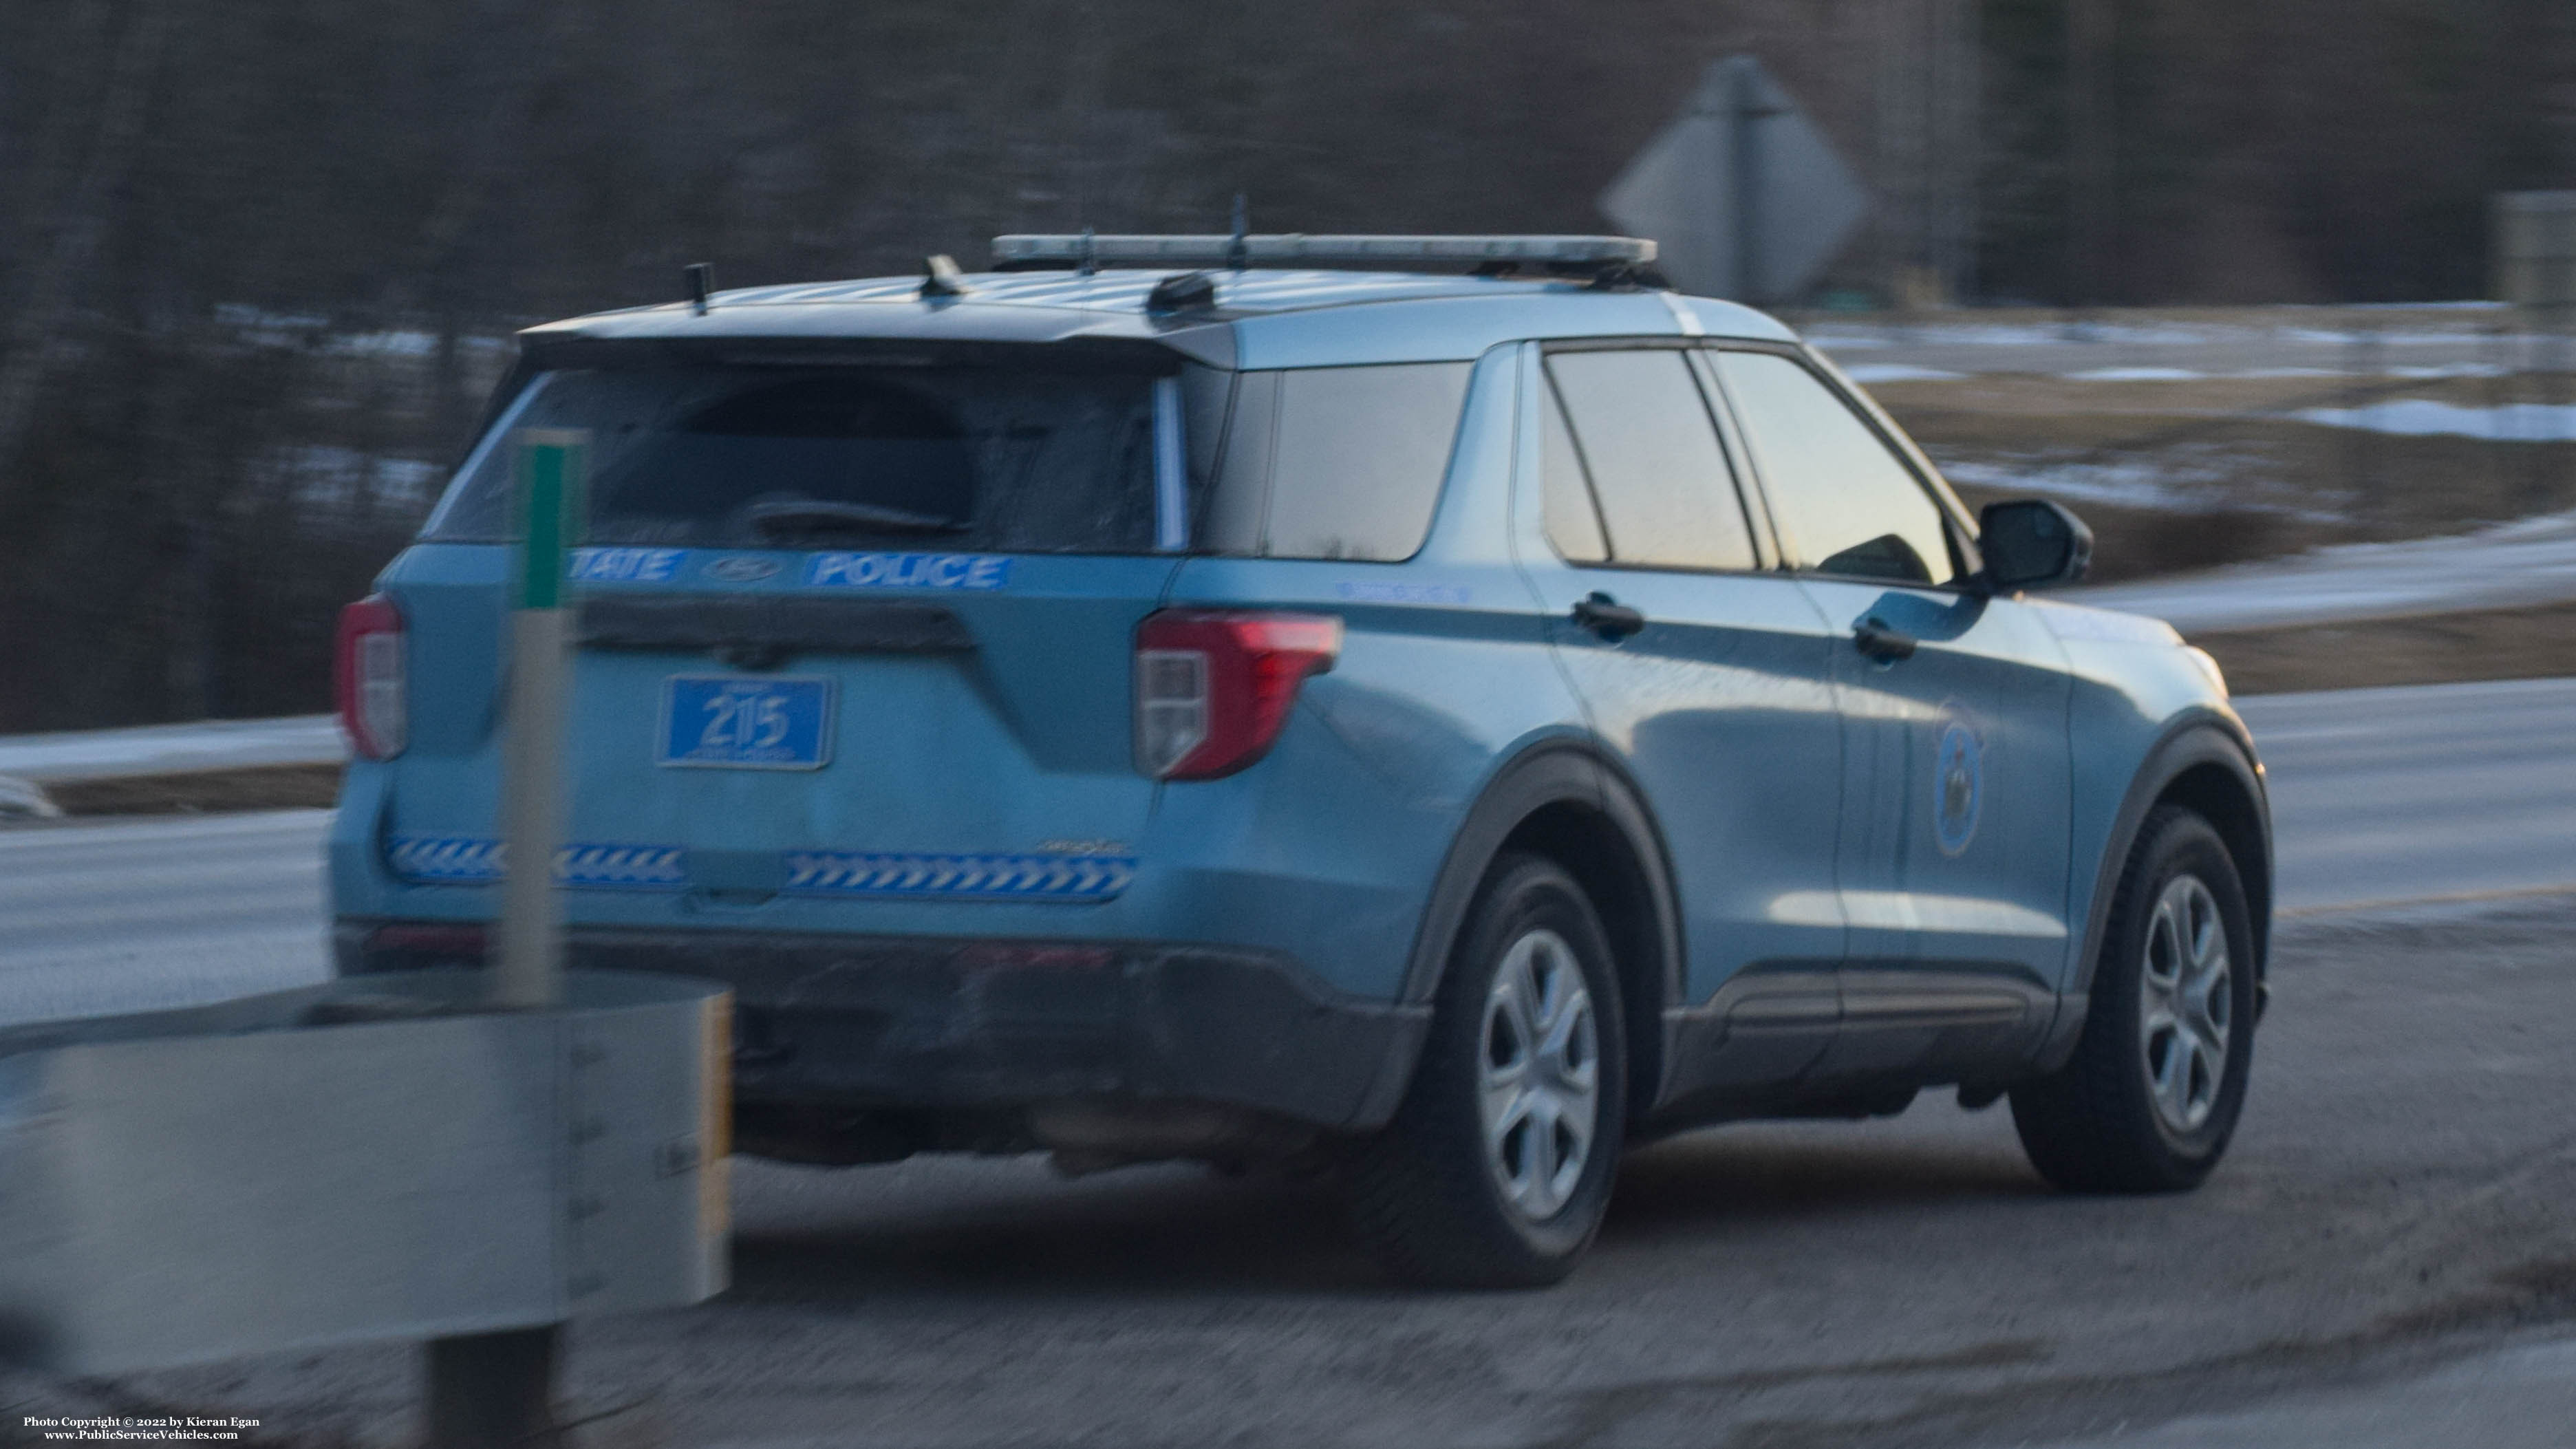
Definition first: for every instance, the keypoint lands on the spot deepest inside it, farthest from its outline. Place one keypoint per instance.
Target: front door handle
(1873, 637)
(1607, 617)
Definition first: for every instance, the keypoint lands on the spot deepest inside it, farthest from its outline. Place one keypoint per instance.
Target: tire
(2157, 1082)
(1529, 1008)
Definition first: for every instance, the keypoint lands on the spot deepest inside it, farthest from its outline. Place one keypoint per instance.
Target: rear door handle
(1607, 617)
(1876, 639)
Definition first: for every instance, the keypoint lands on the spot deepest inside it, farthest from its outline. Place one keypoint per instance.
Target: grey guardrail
(215, 744)
(28, 763)
(365, 1159)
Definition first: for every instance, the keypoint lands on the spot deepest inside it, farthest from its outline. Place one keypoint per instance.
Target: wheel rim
(1539, 1074)
(2187, 1004)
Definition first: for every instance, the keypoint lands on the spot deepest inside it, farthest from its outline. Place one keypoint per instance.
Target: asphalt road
(2383, 795)
(2392, 1222)
(2383, 1261)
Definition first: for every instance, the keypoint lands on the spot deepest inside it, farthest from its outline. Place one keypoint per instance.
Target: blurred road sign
(2535, 247)
(1742, 195)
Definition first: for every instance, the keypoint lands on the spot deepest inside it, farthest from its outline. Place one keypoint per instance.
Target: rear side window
(1573, 520)
(1847, 504)
(969, 458)
(1642, 433)
(1335, 462)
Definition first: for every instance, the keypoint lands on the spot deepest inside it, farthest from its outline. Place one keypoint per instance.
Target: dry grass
(2190, 472)
(265, 787)
(2034, 395)
(2184, 475)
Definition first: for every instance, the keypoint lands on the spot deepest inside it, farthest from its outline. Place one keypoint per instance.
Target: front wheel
(1497, 1168)
(2151, 1096)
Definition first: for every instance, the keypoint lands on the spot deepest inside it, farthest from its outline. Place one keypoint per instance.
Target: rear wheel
(2151, 1096)
(1496, 1170)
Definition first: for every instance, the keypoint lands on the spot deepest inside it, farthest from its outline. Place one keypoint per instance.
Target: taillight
(367, 677)
(1213, 689)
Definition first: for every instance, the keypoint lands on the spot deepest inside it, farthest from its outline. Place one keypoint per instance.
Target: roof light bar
(1564, 254)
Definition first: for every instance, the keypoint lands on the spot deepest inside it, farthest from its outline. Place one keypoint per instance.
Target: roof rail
(1581, 256)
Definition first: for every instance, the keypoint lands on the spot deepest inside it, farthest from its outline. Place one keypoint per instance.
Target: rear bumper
(913, 1024)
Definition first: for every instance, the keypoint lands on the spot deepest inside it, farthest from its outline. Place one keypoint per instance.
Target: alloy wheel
(1539, 1074)
(2187, 1004)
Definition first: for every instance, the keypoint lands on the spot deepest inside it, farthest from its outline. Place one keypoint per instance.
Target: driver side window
(1847, 504)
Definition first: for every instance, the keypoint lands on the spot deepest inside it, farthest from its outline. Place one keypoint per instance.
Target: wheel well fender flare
(2206, 761)
(1567, 801)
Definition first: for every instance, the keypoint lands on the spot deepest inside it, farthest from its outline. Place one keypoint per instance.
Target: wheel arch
(1570, 803)
(2204, 762)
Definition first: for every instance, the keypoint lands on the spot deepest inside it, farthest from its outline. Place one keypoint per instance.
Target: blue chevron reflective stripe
(1075, 878)
(444, 857)
(470, 860)
(624, 865)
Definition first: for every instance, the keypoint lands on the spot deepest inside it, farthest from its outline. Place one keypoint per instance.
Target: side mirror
(2031, 543)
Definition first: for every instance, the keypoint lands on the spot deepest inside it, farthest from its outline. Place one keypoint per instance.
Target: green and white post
(496, 1390)
(550, 507)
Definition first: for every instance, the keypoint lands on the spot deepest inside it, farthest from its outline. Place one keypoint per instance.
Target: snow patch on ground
(324, 475)
(2423, 418)
(1875, 372)
(2125, 484)
(1999, 334)
(384, 344)
(2452, 345)
(2450, 369)
(2184, 478)
(2136, 374)
(2389, 339)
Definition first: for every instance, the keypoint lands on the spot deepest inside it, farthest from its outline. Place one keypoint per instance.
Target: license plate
(728, 722)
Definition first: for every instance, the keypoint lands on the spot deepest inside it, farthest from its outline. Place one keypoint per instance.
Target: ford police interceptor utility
(1434, 723)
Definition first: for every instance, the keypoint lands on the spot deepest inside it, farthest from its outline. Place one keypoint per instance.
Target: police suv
(1430, 710)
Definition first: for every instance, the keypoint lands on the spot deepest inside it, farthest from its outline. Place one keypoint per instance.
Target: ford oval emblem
(740, 569)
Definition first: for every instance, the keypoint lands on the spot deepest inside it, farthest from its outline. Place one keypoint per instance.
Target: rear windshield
(967, 458)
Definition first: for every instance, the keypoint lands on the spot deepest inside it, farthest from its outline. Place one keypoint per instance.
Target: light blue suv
(1435, 725)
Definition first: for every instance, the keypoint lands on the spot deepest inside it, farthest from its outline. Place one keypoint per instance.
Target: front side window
(1335, 462)
(1641, 433)
(1845, 502)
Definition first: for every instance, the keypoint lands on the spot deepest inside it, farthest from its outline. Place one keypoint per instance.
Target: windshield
(758, 456)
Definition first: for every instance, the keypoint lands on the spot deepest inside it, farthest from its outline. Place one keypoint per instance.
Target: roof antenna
(1238, 252)
(702, 284)
(940, 277)
(1090, 264)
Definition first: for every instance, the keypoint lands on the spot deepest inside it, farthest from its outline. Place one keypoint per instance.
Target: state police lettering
(621, 565)
(907, 571)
